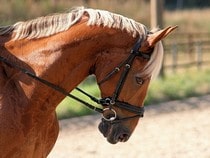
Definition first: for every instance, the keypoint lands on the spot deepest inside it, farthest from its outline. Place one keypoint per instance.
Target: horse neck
(63, 59)
(61, 63)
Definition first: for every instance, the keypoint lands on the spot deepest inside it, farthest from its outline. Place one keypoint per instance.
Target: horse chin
(114, 132)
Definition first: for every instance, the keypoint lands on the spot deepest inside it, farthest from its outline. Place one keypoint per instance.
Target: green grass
(172, 87)
(179, 86)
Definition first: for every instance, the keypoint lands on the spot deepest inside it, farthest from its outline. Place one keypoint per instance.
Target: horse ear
(152, 39)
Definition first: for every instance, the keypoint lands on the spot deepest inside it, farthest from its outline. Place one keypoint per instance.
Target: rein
(53, 86)
(108, 102)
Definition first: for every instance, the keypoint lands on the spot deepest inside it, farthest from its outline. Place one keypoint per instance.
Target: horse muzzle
(114, 132)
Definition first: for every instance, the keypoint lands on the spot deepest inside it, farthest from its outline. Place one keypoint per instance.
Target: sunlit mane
(50, 25)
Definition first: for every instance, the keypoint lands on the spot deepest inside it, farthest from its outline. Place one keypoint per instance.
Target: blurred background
(186, 66)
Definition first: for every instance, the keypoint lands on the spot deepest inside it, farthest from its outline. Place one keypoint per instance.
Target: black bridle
(113, 100)
(107, 102)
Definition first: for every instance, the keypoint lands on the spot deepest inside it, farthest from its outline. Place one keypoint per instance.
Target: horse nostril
(123, 137)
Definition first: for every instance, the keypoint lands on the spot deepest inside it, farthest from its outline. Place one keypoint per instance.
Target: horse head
(124, 89)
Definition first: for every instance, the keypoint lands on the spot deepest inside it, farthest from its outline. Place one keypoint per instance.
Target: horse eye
(139, 80)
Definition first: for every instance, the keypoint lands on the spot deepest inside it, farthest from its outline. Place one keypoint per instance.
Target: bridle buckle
(107, 101)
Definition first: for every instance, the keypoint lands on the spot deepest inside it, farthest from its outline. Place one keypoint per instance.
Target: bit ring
(111, 118)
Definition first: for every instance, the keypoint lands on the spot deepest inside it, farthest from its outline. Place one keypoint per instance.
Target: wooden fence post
(174, 58)
(199, 55)
(156, 9)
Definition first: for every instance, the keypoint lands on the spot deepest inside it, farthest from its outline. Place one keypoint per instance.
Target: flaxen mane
(50, 25)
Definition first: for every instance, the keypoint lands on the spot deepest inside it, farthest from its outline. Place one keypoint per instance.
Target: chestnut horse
(63, 49)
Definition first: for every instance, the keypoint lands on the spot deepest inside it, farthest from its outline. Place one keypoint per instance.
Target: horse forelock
(152, 68)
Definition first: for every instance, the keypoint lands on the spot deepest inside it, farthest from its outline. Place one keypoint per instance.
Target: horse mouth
(114, 132)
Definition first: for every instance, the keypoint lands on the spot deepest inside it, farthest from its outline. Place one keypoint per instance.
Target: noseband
(107, 102)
